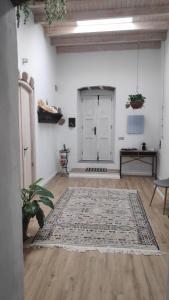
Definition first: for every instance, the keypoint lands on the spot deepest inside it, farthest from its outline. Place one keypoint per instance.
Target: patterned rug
(108, 220)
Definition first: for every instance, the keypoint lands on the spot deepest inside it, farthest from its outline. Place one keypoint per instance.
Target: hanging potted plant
(31, 198)
(135, 101)
(18, 2)
(55, 10)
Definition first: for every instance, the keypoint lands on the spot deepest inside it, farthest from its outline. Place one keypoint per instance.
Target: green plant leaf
(41, 191)
(55, 10)
(44, 194)
(30, 209)
(46, 201)
(35, 182)
(26, 191)
(40, 217)
(136, 97)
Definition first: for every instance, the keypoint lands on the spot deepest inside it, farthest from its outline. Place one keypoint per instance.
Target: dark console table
(139, 155)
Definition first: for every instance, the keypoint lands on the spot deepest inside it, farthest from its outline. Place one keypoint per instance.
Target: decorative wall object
(72, 122)
(32, 83)
(48, 114)
(61, 121)
(135, 124)
(24, 77)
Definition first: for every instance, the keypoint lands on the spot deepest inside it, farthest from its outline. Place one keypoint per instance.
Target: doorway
(97, 128)
(27, 134)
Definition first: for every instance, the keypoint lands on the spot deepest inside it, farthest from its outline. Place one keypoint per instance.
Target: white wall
(72, 71)
(42, 66)
(164, 153)
(11, 248)
(117, 69)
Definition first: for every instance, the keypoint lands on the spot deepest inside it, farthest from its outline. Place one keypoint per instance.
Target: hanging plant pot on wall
(18, 2)
(55, 10)
(136, 104)
(136, 101)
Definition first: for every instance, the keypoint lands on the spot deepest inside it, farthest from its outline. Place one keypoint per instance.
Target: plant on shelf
(55, 10)
(135, 101)
(31, 198)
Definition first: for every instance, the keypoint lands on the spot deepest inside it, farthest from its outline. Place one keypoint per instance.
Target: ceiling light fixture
(105, 21)
(103, 25)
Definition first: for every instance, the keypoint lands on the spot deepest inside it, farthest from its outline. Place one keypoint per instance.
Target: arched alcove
(97, 87)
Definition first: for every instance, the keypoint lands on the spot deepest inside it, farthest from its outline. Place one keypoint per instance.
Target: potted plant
(18, 2)
(55, 10)
(135, 101)
(32, 197)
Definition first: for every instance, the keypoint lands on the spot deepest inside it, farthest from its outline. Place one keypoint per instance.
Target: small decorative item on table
(64, 153)
(144, 146)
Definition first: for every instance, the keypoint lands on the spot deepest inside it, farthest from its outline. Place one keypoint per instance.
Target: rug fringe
(99, 249)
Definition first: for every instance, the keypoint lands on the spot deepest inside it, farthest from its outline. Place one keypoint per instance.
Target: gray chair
(164, 183)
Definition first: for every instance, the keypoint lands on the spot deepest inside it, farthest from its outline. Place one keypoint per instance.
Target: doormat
(107, 220)
(96, 170)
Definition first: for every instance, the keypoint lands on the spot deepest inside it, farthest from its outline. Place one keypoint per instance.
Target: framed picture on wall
(135, 124)
(72, 122)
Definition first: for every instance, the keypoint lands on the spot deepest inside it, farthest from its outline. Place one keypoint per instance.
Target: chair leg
(165, 200)
(153, 194)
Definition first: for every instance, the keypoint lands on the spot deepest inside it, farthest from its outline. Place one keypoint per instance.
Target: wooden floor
(57, 274)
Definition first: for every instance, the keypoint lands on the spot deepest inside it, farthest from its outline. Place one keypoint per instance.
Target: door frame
(111, 92)
(30, 90)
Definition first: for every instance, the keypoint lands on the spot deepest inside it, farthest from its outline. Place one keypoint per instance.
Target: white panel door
(97, 128)
(104, 128)
(89, 128)
(25, 138)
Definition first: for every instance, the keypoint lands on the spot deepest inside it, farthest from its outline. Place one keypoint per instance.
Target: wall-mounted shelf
(47, 117)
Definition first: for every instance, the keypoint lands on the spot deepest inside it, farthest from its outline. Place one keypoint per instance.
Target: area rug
(108, 220)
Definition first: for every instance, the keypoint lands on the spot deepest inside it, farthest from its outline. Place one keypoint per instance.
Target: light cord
(138, 56)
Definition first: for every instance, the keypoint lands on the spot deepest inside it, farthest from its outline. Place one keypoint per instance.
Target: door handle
(25, 149)
(95, 130)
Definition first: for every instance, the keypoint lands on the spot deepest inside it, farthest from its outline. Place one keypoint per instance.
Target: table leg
(152, 166)
(120, 164)
(156, 166)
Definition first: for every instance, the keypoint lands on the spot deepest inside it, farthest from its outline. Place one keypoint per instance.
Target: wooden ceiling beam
(109, 38)
(54, 30)
(108, 47)
(39, 14)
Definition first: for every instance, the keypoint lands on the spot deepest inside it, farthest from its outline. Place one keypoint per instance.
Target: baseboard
(108, 165)
(46, 181)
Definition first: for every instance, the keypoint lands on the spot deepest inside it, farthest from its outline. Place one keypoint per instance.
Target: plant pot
(17, 2)
(136, 104)
(25, 223)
